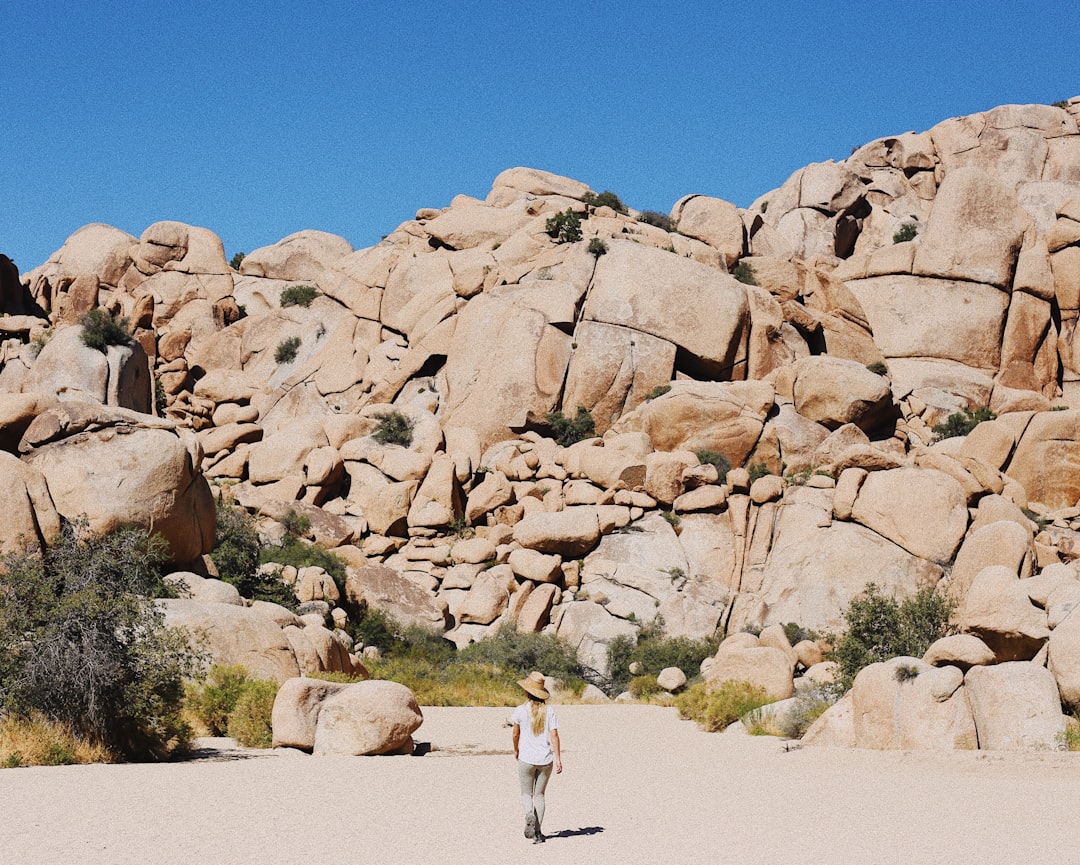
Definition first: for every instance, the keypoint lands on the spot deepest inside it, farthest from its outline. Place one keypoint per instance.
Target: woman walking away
(536, 748)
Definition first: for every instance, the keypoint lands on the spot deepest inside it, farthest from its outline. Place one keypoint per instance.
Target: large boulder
(30, 519)
(833, 392)
(998, 611)
(905, 703)
(119, 468)
(1050, 439)
(571, 533)
(235, 635)
(372, 717)
(296, 711)
(1016, 707)
(767, 667)
(1064, 659)
(390, 590)
(305, 255)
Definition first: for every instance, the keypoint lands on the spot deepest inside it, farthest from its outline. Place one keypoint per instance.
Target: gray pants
(534, 781)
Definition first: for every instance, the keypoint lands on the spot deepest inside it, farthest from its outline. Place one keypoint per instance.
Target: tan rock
(1016, 707)
(489, 596)
(959, 650)
(296, 711)
(833, 392)
(536, 610)
(764, 666)
(30, 518)
(570, 533)
(303, 256)
(535, 566)
(387, 589)
(1051, 438)
(998, 611)
(373, 717)
(671, 679)
(1003, 543)
(712, 221)
(664, 474)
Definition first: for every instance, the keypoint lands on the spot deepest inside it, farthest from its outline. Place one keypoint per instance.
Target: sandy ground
(640, 786)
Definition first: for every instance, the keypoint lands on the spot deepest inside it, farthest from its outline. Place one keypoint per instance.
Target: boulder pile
(763, 387)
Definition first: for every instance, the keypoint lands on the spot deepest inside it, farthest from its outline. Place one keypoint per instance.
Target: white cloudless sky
(257, 120)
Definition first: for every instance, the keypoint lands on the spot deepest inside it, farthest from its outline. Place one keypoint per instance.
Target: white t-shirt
(533, 749)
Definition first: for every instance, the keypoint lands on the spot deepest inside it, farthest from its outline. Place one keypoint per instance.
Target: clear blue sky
(260, 119)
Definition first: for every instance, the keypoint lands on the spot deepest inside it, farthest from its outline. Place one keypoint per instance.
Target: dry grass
(449, 684)
(37, 741)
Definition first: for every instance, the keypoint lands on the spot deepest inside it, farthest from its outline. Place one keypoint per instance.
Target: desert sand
(640, 786)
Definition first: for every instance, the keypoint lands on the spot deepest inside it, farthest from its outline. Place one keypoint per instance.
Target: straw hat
(534, 684)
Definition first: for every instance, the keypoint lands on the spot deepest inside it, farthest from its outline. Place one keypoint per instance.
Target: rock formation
(810, 342)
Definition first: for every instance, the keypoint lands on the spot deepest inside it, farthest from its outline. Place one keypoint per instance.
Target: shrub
(37, 741)
(298, 295)
(393, 428)
(906, 672)
(878, 368)
(907, 231)
(654, 652)
(659, 390)
(302, 554)
(211, 702)
(714, 458)
(519, 654)
(238, 553)
(644, 686)
(597, 247)
(1061, 103)
(1068, 740)
(744, 273)
(566, 431)
(237, 260)
(40, 341)
(287, 350)
(715, 710)
(659, 220)
(100, 330)
(880, 627)
(796, 633)
(758, 470)
(672, 518)
(810, 704)
(604, 199)
(564, 227)
(249, 721)
(85, 646)
(962, 422)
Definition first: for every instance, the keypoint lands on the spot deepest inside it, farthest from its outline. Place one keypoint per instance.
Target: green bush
(298, 295)
(237, 555)
(249, 721)
(212, 701)
(962, 422)
(715, 710)
(519, 654)
(878, 368)
(907, 231)
(644, 686)
(100, 330)
(880, 627)
(566, 431)
(604, 199)
(287, 350)
(237, 260)
(393, 428)
(303, 554)
(714, 458)
(84, 644)
(564, 227)
(655, 652)
(597, 247)
(659, 220)
(744, 273)
(758, 470)
(659, 390)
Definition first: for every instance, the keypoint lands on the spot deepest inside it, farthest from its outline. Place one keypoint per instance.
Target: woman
(536, 748)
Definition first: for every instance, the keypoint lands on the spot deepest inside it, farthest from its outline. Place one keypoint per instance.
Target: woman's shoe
(540, 838)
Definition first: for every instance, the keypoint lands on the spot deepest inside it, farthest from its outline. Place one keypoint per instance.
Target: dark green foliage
(564, 227)
(659, 220)
(654, 652)
(907, 231)
(714, 458)
(906, 673)
(566, 431)
(100, 330)
(758, 470)
(644, 686)
(249, 721)
(237, 554)
(878, 368)
(82, 642)
(287, 350)
(672, 518)
(744, 273)
(372, 627)
(298, 295)
(303, 554)
(880, 627)
(659, 390)
(393, 428)
(296, 525)
(597, 247)
(1061, 103)
(519, 654)
(962, 422)
(161, 399)
(237, 260)
(604, 199)
(796, 633)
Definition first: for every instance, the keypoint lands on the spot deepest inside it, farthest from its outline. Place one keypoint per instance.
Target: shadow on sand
(571, 833)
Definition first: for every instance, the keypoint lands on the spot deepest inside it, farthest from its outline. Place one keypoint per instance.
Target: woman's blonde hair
(538, 712)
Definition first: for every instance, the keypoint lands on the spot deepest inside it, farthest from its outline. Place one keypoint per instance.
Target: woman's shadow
(570, 833)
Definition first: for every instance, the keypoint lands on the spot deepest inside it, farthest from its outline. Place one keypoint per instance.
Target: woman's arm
(517, 738)
(557, 748)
